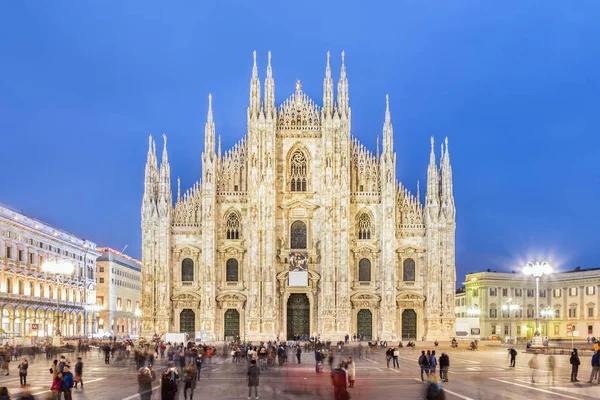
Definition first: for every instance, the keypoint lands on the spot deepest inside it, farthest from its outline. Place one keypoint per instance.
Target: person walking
(253, 374)
(389, 353)
(106, 354)
(551, 367)
(574, 361)
(145, 378)
(23, 365)
(595, 367)
(299, 354)
(26, 395)
(434, 389)
(444, 366)
(189, 379)
(351, 372)
(339, 381)
(432, 363)
(513, 356)
(79, 372)
(66, 385)
(199, 358)
(424, 364)
(534, 366)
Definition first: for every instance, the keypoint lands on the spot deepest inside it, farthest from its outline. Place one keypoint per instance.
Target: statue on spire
(298, 85)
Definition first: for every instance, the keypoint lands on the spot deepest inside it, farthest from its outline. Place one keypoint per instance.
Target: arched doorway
(187, 322)
(231, 324)
(298, 315)
(409, 324)
(364, 324)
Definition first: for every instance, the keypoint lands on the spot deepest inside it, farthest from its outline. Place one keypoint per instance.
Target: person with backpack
(424, 364)
(574, 361)
(189, 379)
(434, 389)
(595, 367)
(395, 355)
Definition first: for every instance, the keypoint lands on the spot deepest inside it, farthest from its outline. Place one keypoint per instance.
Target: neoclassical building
(380, 262)
(28, 294)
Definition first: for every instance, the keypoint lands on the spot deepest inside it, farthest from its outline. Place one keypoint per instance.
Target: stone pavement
(483, 374)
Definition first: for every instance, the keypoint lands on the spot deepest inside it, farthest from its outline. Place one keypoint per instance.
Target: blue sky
(513, 84)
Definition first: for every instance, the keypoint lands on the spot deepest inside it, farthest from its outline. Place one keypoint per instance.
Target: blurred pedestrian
(534, 366)
(551, 367)
(434, 389)
(253, 377)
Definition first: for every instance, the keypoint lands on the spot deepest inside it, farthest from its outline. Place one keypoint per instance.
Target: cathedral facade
(298, 196)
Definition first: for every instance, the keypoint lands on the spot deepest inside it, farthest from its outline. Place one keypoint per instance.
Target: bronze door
(298, 315)
(232, 324)
(409, 324)
(187, 322)
(364, 324)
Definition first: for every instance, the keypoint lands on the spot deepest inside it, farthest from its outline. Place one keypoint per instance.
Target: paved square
(483, 374)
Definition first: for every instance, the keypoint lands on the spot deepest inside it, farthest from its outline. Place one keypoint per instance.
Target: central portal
(298, 315)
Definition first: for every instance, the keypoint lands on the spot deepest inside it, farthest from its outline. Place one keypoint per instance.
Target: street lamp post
(537, 270)
(58, 267)
(510, 307)
(547, 313)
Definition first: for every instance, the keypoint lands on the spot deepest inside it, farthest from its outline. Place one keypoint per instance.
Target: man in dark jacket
(574, 365)
(299, 354)
(67, 382)
(338, 379)
(253, 373)
(444, 366)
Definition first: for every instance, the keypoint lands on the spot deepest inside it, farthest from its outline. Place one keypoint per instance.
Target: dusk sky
(515, 85)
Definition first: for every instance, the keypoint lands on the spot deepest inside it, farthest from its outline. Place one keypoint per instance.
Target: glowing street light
(474, 312)
(537, 270)
(58, 267)
(138, 313)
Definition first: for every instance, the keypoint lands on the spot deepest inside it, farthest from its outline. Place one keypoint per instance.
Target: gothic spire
(418, 192)
(209, 129)
(178, 190)
(431, 196)
(342, 95)
(150, 172)
(388, 131)
(254, 89)
(165, 177)
(327, 90)
(446, 177)
(269, 90)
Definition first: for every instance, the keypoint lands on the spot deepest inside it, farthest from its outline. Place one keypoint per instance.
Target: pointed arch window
(408, 270)
(232, 270)
(298, 237)
(364, 227)
(298, 172)
(364, 270)
(232, 226)
(187, 270)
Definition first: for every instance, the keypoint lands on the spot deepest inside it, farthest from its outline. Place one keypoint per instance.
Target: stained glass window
(364, 227)
(364, 270)
(232, 226)
(187, 270)
(231, 273)
(408, 270)
(298, 172)
(298, 235)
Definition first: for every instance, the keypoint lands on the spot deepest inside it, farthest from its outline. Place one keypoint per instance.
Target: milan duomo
(298, 197)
